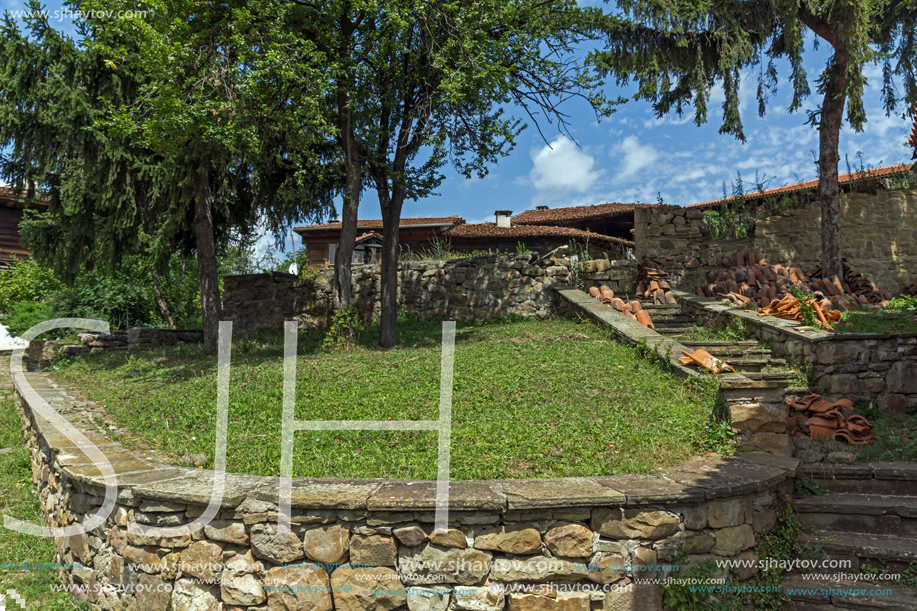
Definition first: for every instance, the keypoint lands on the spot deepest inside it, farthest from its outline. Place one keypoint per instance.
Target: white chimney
(503, 217)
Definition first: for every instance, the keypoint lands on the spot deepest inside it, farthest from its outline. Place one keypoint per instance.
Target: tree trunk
(832, 114)
(340, 290)
(164, 310)
(391, 217)
(207, 261)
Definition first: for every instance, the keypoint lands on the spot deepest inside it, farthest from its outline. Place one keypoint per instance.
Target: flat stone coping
(693, 482)
(790, 328)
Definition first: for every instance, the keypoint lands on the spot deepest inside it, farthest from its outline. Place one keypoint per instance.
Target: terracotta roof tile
(572, 213)
(377, 223)
(809, 184)
(489, 230)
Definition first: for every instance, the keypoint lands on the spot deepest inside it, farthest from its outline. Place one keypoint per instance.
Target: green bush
(23, 315)
(25, 280)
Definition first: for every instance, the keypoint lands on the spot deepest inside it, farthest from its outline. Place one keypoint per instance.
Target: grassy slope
(531, 399)
(19, 500)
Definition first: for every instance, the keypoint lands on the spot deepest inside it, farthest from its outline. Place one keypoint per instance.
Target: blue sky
(635, 157)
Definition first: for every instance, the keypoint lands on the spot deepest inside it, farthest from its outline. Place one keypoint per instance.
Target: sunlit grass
(551, 398)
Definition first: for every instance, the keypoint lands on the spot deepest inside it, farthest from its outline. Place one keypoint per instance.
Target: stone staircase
(867, 517)
(748, 357)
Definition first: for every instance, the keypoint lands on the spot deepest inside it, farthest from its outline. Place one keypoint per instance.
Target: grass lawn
(896, 438)
(877, 320)
(19, 500)
(552, 398)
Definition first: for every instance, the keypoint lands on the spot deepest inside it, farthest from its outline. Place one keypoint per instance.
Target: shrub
(23, 315)
(25, 280)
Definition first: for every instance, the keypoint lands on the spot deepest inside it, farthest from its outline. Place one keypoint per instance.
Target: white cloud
(562, 166)
(634, 157)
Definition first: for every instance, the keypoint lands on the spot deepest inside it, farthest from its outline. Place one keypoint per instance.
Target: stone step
(672, 330)
(882, 478)
(727, 351)
(684, 319)
(750, 343)
(770, 375)
(876, 514)
(649, 305)
(894, 551)
(824, 594)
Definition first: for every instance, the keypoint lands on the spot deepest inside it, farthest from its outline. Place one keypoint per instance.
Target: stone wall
(865, 368)
(134, 339)
(877, 235)
(368, 545)
(461, 289)
(618, 275)
(756, 409)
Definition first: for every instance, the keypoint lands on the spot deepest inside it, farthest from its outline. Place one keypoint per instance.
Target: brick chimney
(503, 217)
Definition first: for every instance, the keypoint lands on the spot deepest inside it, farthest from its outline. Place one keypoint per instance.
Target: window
(332, 248)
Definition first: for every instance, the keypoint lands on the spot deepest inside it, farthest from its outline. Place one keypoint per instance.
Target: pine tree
(677, 50)
(173, 132)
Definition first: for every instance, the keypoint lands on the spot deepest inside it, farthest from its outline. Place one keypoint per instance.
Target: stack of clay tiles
(750, 278)
(789, 308)
(631, 309)
(821, 419)
(651, 282)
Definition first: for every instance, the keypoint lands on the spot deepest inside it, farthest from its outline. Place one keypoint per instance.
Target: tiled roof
(367, 236)
(10, 200)
(489, 230)
(574, 213)
(377, 223)
(809, 184)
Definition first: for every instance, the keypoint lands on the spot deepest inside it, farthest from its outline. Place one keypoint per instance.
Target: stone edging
(756, 408)
(711, 508)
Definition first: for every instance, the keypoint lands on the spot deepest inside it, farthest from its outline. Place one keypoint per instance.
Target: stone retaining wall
(865, 368)
(877, 236)
(756, 409)
(485, 287)
(369, 545)
(618, 275)
(135, 338)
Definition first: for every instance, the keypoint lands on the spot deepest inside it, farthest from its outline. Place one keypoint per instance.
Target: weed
(343, 330)
(804, 487)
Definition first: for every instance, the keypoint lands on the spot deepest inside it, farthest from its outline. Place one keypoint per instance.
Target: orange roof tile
(571, 213)
(377, 223)
(809, 184)
(489, 230)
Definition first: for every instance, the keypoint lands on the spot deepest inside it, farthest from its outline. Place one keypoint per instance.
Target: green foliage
(577, 255)
(905, 303)
(733, 331)
(25, 280)
(806, 309)
(24, 315)
(908, 576)
(804, 487)
(344, 329)
(521, 248)
(717, 436)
